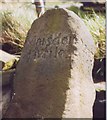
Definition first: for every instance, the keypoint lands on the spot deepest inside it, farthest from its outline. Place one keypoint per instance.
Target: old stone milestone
(54, 75)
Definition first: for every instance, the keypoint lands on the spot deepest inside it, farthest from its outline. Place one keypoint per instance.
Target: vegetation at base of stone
(10, 64)
(18, 17)
(95, 21)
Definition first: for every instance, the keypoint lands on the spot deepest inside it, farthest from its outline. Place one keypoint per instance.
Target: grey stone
(6, 98)
(7, 77)
(54, 74)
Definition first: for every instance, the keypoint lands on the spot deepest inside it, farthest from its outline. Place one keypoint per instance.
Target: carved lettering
(54, 46)
(65, 40)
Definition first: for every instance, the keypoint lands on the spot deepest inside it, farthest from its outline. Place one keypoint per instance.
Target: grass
(16, 20)
(18, 17)
(95, 21)
(96, 25)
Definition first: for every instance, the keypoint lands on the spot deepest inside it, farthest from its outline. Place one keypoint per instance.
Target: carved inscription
(53, 46)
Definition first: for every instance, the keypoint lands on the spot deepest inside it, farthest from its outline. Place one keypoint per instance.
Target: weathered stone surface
(7, 77)
(54, 75)
(6, 98)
